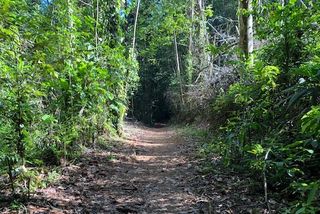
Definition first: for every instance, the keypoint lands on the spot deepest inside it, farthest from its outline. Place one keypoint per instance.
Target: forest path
(149, 172)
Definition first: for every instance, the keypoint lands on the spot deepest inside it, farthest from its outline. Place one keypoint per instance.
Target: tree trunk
(97, 25)
(246, 28)
(70, 25)
(190, 49)
(191, 27)
(135, 27)
(204, 41)
(178, 67)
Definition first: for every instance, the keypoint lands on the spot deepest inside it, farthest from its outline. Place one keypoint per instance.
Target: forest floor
(152, 170)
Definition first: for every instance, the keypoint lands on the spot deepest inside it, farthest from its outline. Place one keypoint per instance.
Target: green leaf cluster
(65, 77)
(275, 106)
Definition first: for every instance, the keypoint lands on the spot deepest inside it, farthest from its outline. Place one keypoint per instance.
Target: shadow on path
(148, 173)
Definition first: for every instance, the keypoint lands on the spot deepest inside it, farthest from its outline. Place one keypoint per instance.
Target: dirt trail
(148, 173)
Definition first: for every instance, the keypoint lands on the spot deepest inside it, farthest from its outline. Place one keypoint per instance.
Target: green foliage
(68, 75)
(309, 191)
(159, 23)
(311, 122)
(268, 76)
(209, 11)
(274, 108)
(64, 80)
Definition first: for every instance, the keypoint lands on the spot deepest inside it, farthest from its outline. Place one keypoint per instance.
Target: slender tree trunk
(178, 67)
(243, 26)
(70, 24)
(190, 49)
(287, 52)
(191, 27)
(96, 27)
(69, 98)
(203, 29)
(19, 129)
(246, 28)
(135, 27)
(10, 173)
(250, 28)
(133, 49)
(204, 40)
(250, 33)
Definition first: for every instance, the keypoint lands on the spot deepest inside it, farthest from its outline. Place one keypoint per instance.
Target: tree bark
(190, 49)
(97, 25)
(246, 28)
(135, 27)
(178, 67)
(191, 27)
(204, 40)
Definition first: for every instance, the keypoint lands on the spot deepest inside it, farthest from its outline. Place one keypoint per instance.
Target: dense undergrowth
(64, 78)
(268, 122)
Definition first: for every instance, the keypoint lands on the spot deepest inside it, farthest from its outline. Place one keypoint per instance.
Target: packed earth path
(148, 172)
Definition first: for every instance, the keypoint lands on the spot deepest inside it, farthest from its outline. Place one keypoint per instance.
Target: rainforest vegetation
(248, 71)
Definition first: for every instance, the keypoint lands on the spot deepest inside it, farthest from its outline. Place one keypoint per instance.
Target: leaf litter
(153, 170)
